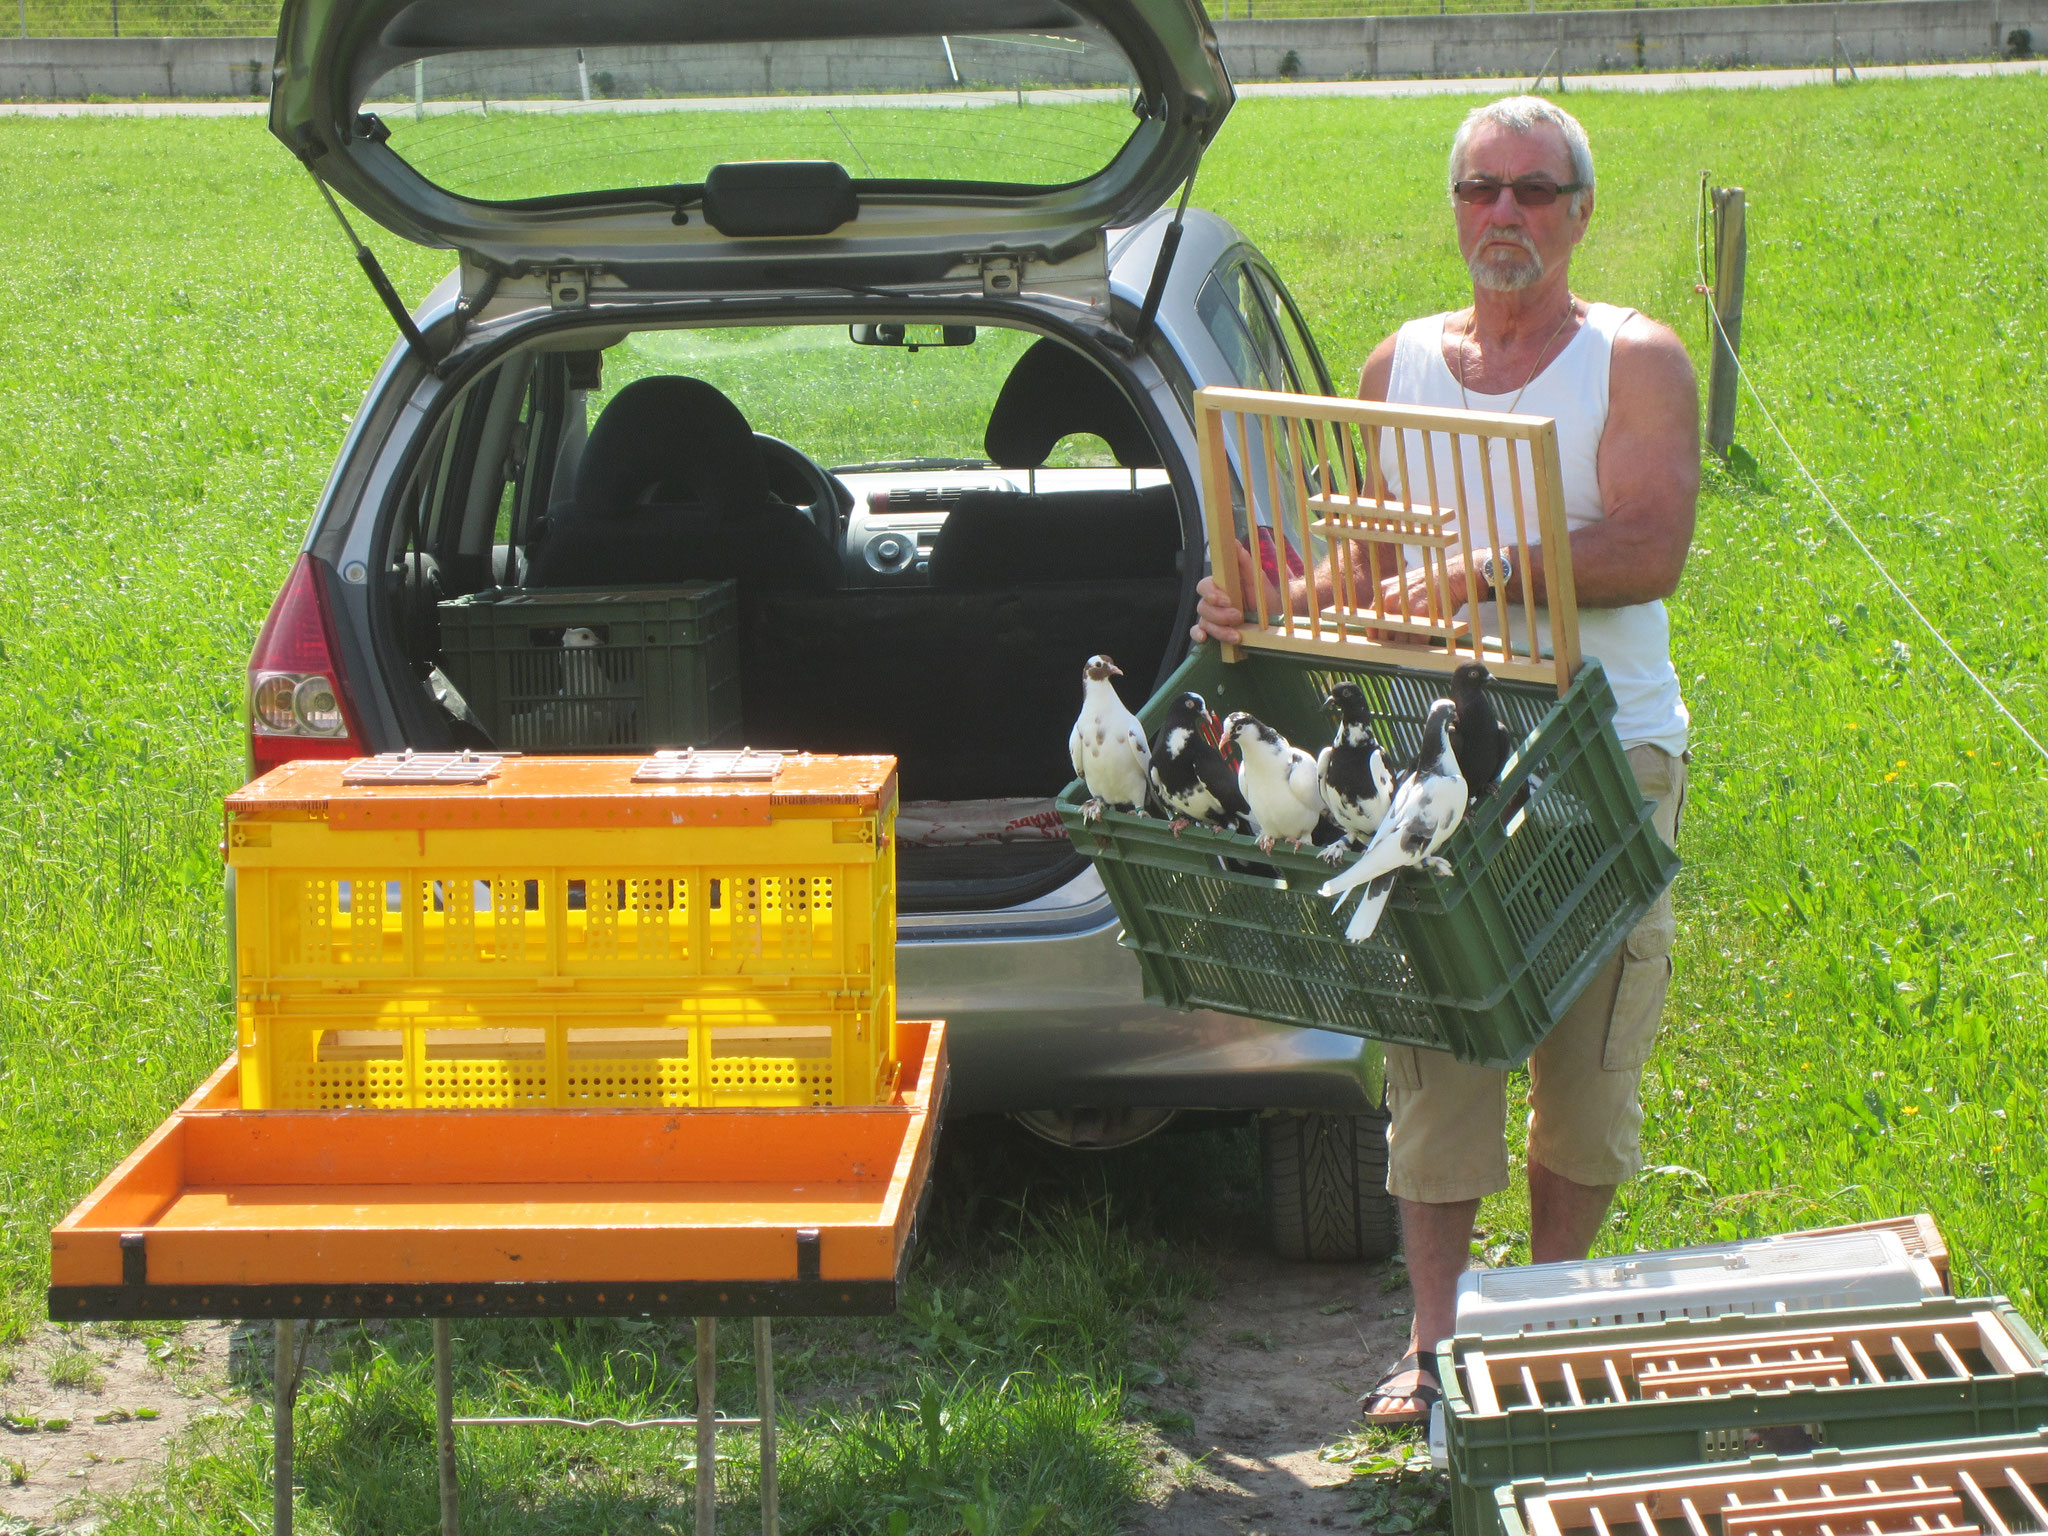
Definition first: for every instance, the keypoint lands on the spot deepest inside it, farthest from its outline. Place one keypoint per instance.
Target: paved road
(1724, 79)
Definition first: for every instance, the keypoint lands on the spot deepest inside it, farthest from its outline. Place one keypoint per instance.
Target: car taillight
(298, 699)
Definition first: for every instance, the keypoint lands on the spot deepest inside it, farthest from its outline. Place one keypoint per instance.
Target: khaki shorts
(1448, 1141)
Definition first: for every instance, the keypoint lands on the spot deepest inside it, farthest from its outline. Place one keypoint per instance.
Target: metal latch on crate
(691, 765)
(410, 767)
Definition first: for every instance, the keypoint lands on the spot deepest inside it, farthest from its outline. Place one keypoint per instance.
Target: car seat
(671, 487)
(1007, 538)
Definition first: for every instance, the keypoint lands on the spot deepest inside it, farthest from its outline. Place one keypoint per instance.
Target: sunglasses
(1530, 192)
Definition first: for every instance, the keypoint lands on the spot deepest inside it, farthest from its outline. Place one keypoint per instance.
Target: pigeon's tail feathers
(1383, 857)
(1370, 906)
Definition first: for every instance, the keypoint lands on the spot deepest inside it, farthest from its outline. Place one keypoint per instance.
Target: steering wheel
(802, 482)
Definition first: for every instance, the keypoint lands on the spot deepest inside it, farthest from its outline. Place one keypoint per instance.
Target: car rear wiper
(912, 465)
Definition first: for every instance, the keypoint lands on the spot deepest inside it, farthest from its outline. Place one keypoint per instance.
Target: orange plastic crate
(224, 1212)
(560, 935)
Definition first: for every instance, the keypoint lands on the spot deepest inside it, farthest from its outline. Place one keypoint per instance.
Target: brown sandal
(1428, 1391)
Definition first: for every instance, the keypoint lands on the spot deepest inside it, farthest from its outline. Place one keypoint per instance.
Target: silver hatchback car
(880, 311)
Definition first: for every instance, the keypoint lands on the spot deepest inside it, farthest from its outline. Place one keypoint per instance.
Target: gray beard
(1507, 274)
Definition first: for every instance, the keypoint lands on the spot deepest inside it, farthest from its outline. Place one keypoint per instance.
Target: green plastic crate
(666, 673)
(1482, 963)
(1487, 1451)
(1511, 1500)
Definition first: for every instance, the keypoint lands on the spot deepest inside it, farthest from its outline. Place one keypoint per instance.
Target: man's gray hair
(1521, 114)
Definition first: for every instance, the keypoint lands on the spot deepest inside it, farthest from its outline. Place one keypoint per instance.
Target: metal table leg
(764, 1381)
(707, 1426)
(285, 1344)
(444, 1424)
(705, 1422)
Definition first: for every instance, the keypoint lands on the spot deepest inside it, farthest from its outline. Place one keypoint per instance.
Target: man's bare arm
(1649, 468)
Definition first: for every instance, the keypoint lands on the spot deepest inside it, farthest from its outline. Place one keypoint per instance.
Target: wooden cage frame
(1940, 1490)
(1840, 1353)
(1308, 476)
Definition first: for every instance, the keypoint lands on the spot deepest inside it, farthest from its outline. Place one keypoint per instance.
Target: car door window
(1303, 357)
(1247, 342)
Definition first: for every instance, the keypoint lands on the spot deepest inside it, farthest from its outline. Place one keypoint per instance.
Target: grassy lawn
(258, 18)
(1862, 976)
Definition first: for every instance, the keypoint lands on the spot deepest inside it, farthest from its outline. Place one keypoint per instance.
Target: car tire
(1325, 1178)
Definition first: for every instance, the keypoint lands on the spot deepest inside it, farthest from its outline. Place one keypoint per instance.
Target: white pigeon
(582, 676)
(1429, 804)
(1278, 780)
(1108, 745)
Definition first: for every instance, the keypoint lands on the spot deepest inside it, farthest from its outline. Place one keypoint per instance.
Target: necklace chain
(1571, 308)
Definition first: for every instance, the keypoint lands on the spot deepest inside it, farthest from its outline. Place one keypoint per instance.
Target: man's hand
(1418, 591)
(1218, 618)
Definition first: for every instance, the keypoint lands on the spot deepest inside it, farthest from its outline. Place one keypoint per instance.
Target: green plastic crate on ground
(1511, 1500)
(664, 671)
(1488, 1450)
(1481, 963)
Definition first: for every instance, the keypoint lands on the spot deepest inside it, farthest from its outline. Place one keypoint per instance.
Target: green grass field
(1858, 1027)
(258, 18)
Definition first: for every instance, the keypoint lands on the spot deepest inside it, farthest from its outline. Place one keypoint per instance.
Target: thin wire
(1834, 511)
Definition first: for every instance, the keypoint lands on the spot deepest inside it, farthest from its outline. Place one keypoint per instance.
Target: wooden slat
(1985, 1511)
(1379, 413)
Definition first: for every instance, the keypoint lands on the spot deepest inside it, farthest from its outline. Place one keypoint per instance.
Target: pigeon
(1353, 773)
(1188, 773)
(1429, 803)
(1278, 780)
(1480, 740)
(1108, 745)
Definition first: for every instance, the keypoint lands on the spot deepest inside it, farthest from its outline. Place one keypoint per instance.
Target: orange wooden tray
(225, 1212)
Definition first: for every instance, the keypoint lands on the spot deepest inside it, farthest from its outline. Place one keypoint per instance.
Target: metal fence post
(1731, 248)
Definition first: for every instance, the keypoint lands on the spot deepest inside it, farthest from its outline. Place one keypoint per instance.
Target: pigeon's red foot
(1091, 810)
(1334, 854)
(1266, 843)
(1180, 824)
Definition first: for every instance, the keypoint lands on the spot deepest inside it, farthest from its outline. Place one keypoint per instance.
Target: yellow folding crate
(713, 929)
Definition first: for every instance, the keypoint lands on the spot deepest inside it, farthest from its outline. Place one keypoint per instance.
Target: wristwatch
(1496, 570)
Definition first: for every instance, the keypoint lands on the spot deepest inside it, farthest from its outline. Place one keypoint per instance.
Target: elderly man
(1621, 390)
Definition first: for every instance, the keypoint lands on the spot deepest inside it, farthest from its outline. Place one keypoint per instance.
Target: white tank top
(1633, 643)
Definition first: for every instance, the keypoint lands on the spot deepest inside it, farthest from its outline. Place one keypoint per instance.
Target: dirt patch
(1271, 1381)
(120, 1391)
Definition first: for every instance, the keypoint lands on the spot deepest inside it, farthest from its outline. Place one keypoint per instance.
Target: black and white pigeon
(1189, 776)
(1108, 745)
(1429, 803)
(1278, 780)
(1356, 780)
(1480, 740)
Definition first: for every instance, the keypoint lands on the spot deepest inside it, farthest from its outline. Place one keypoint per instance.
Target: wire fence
(258, 18)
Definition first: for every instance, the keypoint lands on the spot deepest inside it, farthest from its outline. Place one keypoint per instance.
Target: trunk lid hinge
(1001, 277)
(569, 287)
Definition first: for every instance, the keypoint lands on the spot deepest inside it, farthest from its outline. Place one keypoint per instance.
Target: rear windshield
(1022, 108)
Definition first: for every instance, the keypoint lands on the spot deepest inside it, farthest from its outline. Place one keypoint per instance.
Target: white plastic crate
(1764, 1275)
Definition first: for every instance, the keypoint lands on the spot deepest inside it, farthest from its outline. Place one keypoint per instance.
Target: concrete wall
(1705, 37)
(1372, 47)
(74, 68)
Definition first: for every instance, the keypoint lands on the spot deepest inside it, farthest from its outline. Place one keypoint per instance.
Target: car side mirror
(895, 333)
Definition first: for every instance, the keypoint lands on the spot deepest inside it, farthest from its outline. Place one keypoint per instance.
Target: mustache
(1518, 238)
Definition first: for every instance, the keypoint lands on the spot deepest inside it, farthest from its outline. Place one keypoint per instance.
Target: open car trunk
(938, 609)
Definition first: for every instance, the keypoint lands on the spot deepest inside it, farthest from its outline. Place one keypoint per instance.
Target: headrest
(1054, 392)
(674, 432)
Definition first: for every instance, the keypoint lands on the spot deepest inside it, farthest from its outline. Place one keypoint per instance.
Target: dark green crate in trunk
(1481, 964)
(1488, 1450)
(664, 673)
